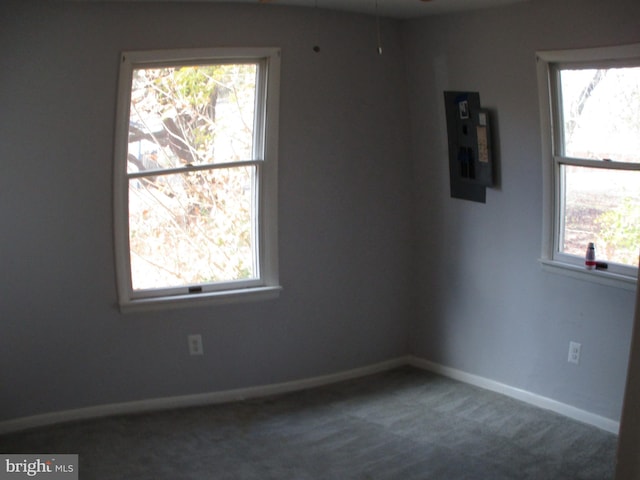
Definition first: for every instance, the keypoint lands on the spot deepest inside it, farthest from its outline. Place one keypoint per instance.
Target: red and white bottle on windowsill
(590, 257)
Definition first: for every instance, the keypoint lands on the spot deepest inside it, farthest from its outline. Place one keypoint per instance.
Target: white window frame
(552, 259)
(266, 285)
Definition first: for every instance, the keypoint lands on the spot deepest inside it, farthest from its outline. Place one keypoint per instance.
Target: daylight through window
(195, 174)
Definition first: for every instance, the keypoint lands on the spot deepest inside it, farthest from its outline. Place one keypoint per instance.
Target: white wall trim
(212, 398)
(195, 400)
(569, 411)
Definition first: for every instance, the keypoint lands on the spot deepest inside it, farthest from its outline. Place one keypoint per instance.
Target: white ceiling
(386, 8)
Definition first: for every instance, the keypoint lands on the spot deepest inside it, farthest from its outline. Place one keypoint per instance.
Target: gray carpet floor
(403, 424)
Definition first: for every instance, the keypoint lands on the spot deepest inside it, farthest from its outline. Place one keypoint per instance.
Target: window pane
(191, 115)
(602, 206)
(192, 228)
(601, 113)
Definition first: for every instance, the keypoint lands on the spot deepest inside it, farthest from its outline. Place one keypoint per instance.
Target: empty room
(318, 239)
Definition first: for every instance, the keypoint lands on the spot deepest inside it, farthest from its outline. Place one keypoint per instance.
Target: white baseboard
(211, 398)
(574, 413)
(200, 399)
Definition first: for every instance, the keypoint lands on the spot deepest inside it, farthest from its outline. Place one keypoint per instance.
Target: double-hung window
(590, 107)
(195, 176)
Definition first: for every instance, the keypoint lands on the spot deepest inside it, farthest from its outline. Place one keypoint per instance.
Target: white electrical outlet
(195, 344)
(574, 352)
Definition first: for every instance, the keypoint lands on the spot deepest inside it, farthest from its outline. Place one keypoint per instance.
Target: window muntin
(591, 139)
(195, 175)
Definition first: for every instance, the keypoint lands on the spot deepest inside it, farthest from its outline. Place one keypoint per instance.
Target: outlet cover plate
(195, 344)
(574, 352)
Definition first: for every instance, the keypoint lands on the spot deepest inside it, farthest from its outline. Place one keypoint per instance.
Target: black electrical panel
(469, 133)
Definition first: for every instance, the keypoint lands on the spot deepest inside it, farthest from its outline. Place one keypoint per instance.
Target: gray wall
(376, 260)
(485, 305)
(345, 183)
(628, 460)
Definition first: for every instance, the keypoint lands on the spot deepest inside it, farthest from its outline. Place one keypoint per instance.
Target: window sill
(596, 276)
(200, 299)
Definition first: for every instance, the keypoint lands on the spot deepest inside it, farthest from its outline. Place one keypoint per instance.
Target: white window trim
(551, 259)
(267, 286)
